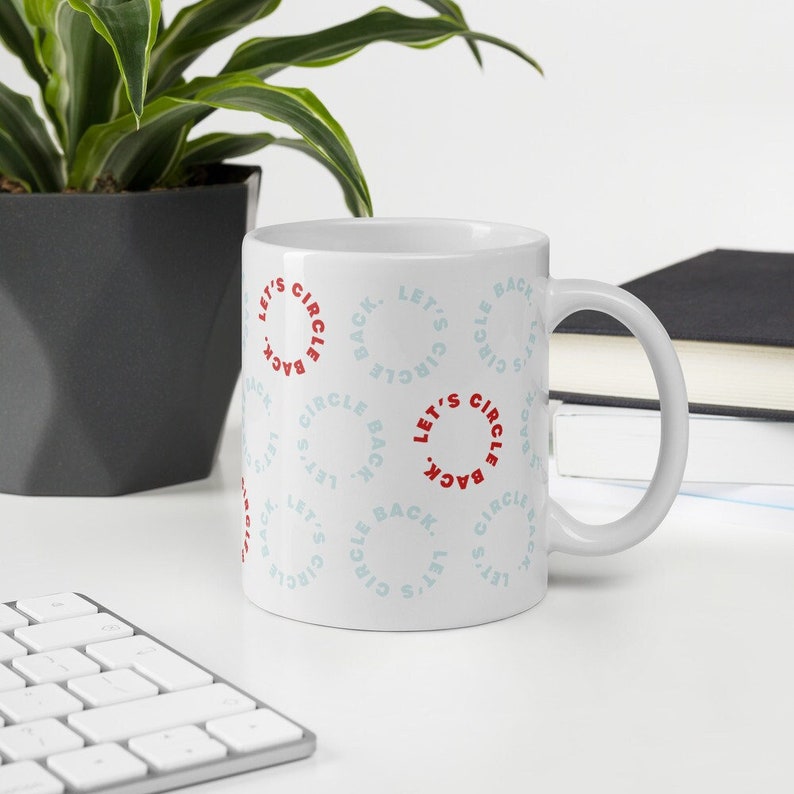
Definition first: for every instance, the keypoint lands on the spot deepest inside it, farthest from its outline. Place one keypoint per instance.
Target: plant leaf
(83, 76)
(13, 162)
(451, 9)
(195, 28)
(266, 56)
(219, 146)
(125, 155)
(17, 35)
(130, 28)
(300, 109)
(352, 200)
(115, 152)
(27, 152)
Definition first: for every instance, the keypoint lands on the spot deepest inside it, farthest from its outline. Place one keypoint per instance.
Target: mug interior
(406, 236)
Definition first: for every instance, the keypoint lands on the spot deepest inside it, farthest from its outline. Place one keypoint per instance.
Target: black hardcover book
(730, 315)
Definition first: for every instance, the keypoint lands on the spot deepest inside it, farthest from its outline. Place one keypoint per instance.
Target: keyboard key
(171, 710)
(10, 619)
(167, 669)
(33, 740)
(55, 666)
(117, 686)
(97, 766)
(72, 632)
(254, 730)
(27, 777)
(10, 680)
(56, 607)
(10, 649)
(90, 704)
(166, 751)
(38, 702)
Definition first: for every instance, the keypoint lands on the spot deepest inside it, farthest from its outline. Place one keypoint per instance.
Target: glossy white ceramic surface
(395, 423)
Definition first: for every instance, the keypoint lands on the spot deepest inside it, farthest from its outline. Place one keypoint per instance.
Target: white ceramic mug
(395, 421)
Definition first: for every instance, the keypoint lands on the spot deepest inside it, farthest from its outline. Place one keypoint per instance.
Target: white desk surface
(669, 667)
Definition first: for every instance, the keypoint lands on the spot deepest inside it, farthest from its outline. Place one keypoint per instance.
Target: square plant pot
(119, 334)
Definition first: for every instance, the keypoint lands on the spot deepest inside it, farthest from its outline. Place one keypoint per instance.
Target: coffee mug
(396, 423)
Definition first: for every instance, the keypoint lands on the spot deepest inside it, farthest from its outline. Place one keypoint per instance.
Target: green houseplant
(96, 393)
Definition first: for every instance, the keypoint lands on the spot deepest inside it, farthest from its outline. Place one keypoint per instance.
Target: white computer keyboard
(89, 702)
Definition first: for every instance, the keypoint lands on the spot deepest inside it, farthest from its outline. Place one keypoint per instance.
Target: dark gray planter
(119, 334)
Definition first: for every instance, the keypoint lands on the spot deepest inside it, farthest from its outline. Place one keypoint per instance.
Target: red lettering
(433, 471)
(425, 426)
(244, 550)
(296, 367)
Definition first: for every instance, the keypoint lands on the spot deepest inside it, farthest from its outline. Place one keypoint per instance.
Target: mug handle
(568, 534)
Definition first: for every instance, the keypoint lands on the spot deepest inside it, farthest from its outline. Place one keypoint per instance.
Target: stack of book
(730, 315)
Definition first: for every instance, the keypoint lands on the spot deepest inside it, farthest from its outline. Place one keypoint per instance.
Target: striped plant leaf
(195, 28)
(83, 77)
(27, 153)
(352, 200)
(13, 161)
(451, 9)
(266, 56)
(130, 28)
(219, 146)
(122, 155)
(116, 153)
(17, 35)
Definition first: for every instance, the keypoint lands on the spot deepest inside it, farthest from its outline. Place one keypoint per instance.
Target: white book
(606, 442)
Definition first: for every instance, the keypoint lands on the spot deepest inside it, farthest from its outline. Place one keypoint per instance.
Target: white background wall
(660, 129)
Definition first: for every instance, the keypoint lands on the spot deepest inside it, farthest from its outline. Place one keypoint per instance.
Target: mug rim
(478, 237)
